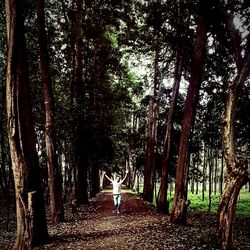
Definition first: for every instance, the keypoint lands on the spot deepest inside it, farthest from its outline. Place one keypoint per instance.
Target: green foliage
(197, 204)
(111, 36)
(119, 40)
(242, 204)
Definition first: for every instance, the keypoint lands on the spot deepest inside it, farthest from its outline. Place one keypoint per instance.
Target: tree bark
(54, 172)
(221, 175)
(80, 135)
(210, 170)
(180, 203)
(204, 173)
(162, 204)
(153, 112)
(94, 179)
(237, 169)
(21, 132)
(215, 173)
(148, 187)
(3, 174)
(237, 174)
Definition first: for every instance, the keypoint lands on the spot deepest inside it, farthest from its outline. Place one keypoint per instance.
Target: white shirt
(117, 187)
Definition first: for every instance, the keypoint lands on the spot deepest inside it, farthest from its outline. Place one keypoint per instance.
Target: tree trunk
(130, 168)
(21, 132)
(162, 204)
(3, 173)
(101, 177)
(153, 112)
(136, 181)
(235, 180)
(148, 187)
(80, 134)
(222, 175)
(192, 178)
(180, 203)
(210, 166)
(197, 186)
(215, 174)
(95, 179)
(237, 174)
(54, 172)
(204, 174)
(237, 167)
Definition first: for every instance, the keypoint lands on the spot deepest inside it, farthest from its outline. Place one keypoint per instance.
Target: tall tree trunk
(94, 178)
(80, 136)
(22, 135)
(148, 187)
(237, 167)
(153, 112)
(136, 182)
(210, 170)
(54, 172)
(204, 173)
(192, 178)
(179, 210)
(162, 203)
(3, 173)
(237, 174)
(197, 184)
(222, 175)
(215, 173)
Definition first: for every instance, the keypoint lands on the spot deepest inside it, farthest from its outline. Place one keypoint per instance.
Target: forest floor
(139, 226)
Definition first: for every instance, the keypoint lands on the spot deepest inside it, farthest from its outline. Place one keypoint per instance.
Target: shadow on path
(96, 226)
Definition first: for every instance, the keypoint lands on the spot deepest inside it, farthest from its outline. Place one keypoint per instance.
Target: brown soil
(96, 226)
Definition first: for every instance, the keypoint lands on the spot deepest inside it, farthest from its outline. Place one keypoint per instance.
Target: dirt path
(102, 228)
(96, 226)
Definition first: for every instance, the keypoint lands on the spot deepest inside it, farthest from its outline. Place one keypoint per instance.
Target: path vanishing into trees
(96, 226)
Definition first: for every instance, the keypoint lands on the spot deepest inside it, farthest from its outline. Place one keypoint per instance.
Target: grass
(242, 208)
(197, 204)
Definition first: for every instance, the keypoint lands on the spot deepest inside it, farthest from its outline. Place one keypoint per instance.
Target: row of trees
(95, 85)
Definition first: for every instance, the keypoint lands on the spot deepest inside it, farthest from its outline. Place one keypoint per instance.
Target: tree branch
(234, 36)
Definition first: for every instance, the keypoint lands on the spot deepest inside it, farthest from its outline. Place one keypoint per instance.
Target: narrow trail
(96, 226)
(137, 227)
(102, 228)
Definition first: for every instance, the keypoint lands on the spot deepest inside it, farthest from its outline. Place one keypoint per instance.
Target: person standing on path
(117, 183)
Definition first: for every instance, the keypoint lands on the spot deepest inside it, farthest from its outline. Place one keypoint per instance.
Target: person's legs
(119, 198)
(115, 201)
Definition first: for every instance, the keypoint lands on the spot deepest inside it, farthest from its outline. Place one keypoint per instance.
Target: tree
(80, 134)
(4, 152)
(180, 203)
(162, 203)
(30, 209)
(237, 174)
(153, 106)
(54, 173)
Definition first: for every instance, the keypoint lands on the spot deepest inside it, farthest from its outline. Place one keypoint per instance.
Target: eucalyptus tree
(154, 21)
(30, 209)
(180, 203)
(92, 80)
(237, 168)
(5, 169)
(54, 173)
(180, 30)
(149, 36)
(80, 150)
(109, 85)
(4, 183)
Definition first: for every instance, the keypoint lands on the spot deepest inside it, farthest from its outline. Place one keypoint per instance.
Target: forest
(159, 89)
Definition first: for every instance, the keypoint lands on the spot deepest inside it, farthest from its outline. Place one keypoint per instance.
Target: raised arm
(107, 177)
(124, 177)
